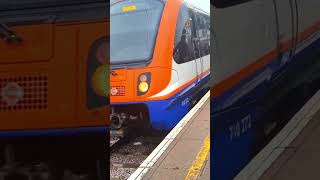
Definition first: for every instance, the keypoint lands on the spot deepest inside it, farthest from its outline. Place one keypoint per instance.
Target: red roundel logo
(11, 93)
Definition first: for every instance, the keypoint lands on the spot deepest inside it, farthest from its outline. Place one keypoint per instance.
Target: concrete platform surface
(301, 159)
(188, 156)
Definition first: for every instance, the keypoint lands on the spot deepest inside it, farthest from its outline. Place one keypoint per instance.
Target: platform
(299, 160)
(185, 152)
(294, 153)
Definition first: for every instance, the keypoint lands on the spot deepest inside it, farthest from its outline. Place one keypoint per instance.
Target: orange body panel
(37, 45)
(160, 66)
(50, 66)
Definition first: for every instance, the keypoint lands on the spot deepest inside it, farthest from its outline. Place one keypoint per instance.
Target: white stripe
(180, 75)
(161, 148)
(183, 73)
(262, 161)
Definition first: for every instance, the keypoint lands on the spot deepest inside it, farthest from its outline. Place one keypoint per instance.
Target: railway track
(127, 154)
(119, 135)
(114, 140)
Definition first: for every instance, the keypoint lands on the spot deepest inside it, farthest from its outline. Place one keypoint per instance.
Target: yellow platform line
(200, 160)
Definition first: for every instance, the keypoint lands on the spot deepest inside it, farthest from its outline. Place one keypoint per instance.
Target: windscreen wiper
(8, 35)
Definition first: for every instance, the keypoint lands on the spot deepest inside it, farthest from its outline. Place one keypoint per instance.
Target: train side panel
(247, 62)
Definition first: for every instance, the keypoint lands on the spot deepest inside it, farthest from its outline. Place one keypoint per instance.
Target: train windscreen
(133, 30)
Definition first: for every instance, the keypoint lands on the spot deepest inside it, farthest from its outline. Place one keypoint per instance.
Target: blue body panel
(235, 117)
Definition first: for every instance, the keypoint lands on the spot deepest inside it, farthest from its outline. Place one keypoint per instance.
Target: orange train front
(54, 85)
(159, 58)
(54, 79)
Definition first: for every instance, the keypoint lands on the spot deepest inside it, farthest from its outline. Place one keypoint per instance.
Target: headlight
(98, 87)
(143, 87)
(143, 83)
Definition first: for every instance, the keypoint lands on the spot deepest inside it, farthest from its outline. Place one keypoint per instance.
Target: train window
(133, 30)
(184, 48)
(202, 35)
(227, 3)
(208, 32)
(206, 35)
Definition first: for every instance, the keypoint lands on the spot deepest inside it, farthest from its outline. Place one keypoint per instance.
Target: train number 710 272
(240, 127)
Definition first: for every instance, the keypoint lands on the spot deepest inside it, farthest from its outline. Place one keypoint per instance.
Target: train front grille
(23, 93)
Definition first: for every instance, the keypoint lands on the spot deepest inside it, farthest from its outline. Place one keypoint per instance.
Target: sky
(202, 4)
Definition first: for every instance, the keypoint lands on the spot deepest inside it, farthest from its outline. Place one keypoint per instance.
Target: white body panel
(184, 73)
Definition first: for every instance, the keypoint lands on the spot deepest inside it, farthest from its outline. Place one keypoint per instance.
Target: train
(159, 61)
(260, 49)
(54, 88)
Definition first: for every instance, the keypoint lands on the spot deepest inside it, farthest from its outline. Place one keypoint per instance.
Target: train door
(196, 43)
(202, 44)
(286, 30)
(308, 22)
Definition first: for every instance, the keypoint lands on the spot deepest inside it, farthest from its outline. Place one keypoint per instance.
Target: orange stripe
(260, 63)
(242, 74)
